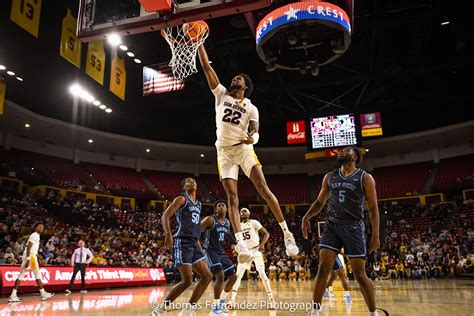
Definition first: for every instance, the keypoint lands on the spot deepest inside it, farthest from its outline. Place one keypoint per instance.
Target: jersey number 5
(232, 117)
(342, 196)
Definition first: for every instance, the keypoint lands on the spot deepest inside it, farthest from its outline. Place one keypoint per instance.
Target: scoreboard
(334, 131)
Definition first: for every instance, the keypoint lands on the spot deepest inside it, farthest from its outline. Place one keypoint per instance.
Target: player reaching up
(237, 132)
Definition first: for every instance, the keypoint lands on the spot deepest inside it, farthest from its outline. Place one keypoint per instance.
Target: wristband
(255, 136)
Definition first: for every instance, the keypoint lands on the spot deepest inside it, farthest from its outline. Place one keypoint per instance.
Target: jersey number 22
(232, 117)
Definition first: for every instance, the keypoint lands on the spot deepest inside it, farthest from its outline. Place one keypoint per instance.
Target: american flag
(159, 79)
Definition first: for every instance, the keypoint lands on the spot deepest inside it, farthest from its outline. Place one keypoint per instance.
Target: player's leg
(35, 269)
(241, 268)
(14, 297)
(205, 277)
(366, 287)
(186, 272)
(253, 169)
(229, 272)
(329, 289)
(326, 262)
(260, 266)
(342, 277)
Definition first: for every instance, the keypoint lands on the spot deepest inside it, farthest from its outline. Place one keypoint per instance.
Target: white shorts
(257, 258)
(31, 264)
(229, 159)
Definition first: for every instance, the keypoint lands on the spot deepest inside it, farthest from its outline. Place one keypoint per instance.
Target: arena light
(109, 110)
(96, 102)
(114, 39)
(2, 67)
(148, 150)
(86, 96)
(123, 47)
(75, 89)
(11, 73)
(102, 107)
(202, 155)
(367, 150)
(445, 23)
(130, 54)
(19, 78)
(138, 61)
(27, 125)
(91, 141)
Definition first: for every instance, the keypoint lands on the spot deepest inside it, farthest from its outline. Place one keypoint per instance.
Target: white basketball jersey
(34, 239)
(233, 117)
(250, 233)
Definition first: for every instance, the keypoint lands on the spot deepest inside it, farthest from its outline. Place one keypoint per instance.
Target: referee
(80, 259)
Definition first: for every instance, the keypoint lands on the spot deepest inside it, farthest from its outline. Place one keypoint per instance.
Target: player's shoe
(224, 306)
(329, 294)
(348, 298)
(46, 296)
(244, 254)
(14, 299)
(290, 244)
(68, 292)
(218, 311)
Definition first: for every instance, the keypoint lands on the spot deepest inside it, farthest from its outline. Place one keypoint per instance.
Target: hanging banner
(70, 47)
(296, 132)
(118, 77)
(371, 124)
(95, 66)
(26, 13)
(3, 91)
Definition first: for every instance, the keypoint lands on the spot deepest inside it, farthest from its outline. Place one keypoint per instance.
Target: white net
(184, 41)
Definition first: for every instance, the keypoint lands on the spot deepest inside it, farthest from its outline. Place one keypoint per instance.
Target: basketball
(195, 30)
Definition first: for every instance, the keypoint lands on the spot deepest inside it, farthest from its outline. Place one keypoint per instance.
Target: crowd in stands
(418, 241)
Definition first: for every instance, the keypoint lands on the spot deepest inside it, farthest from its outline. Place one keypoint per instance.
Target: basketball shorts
(30, 264)
(218, 261)
(257, 258)
(350, 236)
(185, 252)
(230, 158)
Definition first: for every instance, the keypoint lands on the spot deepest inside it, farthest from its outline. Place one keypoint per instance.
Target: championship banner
(70, 47)
(3, 91)
(95, 65)
(26, 13)
(118, 77)
(371, 124)
(296, 132)
(107, 276)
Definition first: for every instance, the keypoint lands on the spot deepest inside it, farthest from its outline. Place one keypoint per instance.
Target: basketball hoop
(184, 41)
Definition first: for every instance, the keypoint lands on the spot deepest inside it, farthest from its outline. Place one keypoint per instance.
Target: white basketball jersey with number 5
(250, 233)
(233, 117)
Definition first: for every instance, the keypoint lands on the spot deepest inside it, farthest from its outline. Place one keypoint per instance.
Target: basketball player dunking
(237, 132)
(346, 190)
(187, 252)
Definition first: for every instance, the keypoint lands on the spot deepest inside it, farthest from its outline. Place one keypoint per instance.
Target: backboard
(97, 18)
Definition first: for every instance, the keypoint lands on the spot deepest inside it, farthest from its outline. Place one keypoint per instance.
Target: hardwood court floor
(427, 297)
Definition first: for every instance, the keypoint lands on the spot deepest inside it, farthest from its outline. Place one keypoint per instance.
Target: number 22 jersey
(233, 117)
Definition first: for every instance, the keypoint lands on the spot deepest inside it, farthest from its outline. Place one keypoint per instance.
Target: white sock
(224, 295)
(42, 291)
(239, 237)
(268, 288)
(346, 293)
(284, 227)
(233, 296)
(374, 313)
(14, 292)
(215, 303)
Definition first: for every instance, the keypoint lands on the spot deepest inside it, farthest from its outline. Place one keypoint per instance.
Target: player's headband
(245, 209)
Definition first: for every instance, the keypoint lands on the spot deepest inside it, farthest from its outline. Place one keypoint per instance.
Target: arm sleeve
(253, 115)
(219, 92)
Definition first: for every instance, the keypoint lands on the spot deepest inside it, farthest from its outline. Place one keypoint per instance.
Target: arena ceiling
(402, 62)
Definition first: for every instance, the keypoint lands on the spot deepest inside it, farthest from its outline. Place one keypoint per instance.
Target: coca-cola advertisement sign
(296, 132)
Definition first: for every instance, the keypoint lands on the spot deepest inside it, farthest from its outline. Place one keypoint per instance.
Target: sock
(346, 293)
(234, 295)
(224, 295)
(284, 226)
(14, 292)
(239, 237)
(42, 291)
(374, 313)
(215, 303)
(268, 288)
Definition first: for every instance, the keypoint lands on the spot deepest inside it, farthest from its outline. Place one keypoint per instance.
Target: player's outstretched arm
(165, 219)
(316, 207)
(371, 196)
(211, 75)
(206, 223)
